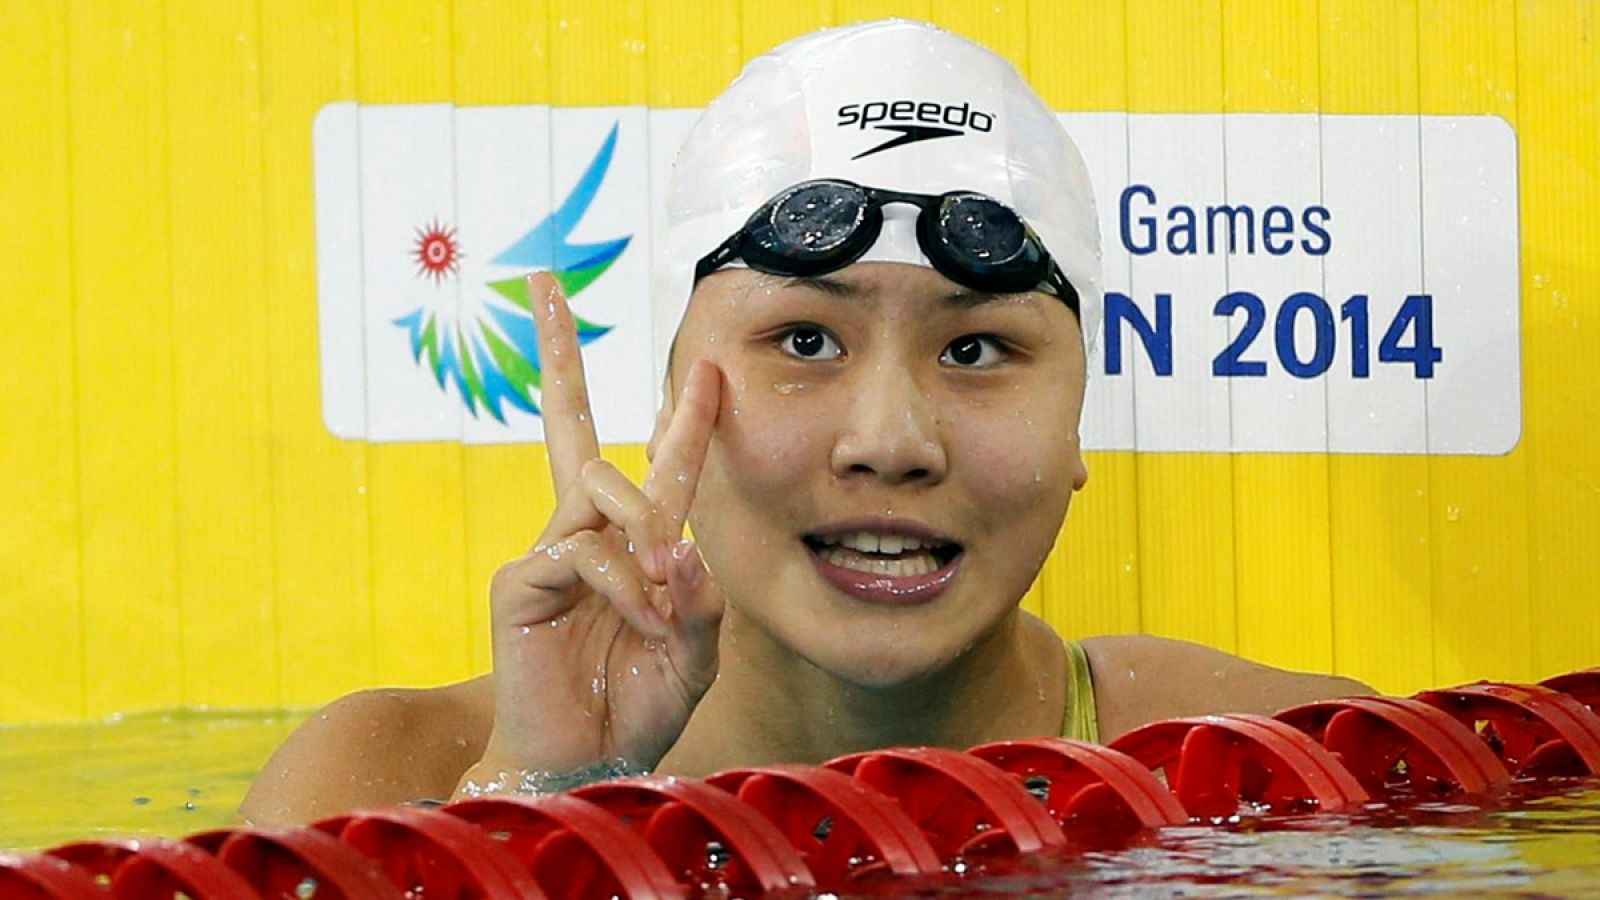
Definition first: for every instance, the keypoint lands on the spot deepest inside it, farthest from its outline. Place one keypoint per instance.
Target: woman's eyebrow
(832, 287)
(969, 299)
(963, 299)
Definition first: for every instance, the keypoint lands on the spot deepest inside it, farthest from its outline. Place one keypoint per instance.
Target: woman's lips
(883, 588)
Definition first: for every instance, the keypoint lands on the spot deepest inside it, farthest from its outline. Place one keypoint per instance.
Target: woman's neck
(771, 705)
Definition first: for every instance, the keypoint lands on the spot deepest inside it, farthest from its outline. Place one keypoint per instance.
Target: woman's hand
(605, 633)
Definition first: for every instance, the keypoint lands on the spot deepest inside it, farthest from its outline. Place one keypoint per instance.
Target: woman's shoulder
(374, 748)
(1141, 678)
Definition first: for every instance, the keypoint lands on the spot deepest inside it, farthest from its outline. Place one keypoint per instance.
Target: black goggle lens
(817, 218)
(980, 232)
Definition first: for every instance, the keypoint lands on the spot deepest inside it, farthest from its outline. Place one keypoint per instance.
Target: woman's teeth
(867, 542)
(917, 563)
(892, 555)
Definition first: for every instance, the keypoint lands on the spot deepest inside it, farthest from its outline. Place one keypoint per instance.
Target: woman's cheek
(771, 433)
(1008, 458)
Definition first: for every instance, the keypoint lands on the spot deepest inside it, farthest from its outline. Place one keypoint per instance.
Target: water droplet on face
(787, 389)
(528, 629)
(306, 889)
(633, 670)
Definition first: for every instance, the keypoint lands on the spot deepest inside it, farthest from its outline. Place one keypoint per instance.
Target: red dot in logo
(436, 252)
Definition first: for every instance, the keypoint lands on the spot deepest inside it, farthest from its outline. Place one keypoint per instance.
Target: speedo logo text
(913, 121)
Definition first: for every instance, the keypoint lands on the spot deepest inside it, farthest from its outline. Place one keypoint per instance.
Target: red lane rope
(914, 812)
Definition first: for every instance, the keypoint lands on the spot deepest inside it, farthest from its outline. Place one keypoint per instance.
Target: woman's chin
(877, 661)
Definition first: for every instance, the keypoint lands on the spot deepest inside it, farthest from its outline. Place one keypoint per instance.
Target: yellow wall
(180, 528)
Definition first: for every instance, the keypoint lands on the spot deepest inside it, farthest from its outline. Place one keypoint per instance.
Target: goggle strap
(716, 259)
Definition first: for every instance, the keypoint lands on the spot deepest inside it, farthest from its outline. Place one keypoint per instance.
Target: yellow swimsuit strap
(1079, 721)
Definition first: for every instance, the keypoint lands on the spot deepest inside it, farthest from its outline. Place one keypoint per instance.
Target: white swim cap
(891, 104)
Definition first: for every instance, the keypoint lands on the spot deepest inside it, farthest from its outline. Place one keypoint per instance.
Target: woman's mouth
(885, 566)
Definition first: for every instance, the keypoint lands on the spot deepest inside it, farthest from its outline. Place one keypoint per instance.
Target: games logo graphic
(490, 353)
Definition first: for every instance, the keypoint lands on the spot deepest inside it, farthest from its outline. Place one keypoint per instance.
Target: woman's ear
(1080, 469)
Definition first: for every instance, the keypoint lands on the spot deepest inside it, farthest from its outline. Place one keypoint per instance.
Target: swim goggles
(823, 225)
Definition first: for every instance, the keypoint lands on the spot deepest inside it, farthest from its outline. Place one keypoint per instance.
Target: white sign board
(1274, 283)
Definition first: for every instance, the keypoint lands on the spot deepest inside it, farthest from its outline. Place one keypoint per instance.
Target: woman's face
(892, 461)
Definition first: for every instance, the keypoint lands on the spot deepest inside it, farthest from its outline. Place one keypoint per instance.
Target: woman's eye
(974, 351)
(809, 342)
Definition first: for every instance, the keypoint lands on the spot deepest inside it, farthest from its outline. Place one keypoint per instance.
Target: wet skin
(886, 395)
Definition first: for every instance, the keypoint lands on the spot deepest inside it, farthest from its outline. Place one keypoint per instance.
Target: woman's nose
(889, 430)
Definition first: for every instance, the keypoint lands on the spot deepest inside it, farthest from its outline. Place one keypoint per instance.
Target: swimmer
(883, 258)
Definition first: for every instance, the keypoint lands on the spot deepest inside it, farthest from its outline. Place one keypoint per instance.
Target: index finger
(564, 395)
(675, 474)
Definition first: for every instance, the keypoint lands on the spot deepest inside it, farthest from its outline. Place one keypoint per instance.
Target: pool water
(153, 774)
(175, 774)
(1534, 846)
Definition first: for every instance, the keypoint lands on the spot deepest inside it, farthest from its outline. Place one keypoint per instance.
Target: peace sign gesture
(605, 632)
